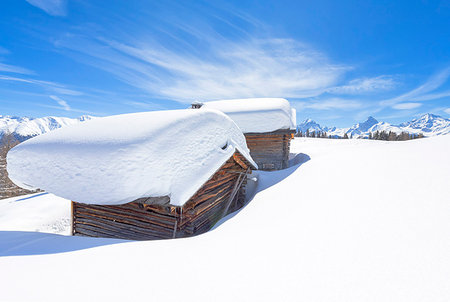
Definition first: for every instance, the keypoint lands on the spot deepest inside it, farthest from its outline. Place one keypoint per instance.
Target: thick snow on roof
(117, 159)
(257, 115)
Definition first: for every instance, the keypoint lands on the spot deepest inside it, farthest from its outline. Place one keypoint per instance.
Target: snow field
(359, 221)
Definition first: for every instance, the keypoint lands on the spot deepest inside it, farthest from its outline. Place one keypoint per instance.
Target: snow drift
(257, 115)
(121, 158)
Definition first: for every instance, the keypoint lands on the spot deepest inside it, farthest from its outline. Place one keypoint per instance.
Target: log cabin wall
(155, 218)
(270, 150)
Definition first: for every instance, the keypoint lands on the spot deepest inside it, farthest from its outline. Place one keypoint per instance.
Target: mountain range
(26, 127)
(428, 124)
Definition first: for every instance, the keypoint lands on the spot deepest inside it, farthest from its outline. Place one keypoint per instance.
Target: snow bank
(118, 159)
(257, 115)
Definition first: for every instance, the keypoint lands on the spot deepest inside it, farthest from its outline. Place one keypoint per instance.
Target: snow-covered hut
(268, 124)
(151, 175)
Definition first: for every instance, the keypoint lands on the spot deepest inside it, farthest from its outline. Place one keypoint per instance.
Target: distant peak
(308, 121)
(371, 119)
(429, 116)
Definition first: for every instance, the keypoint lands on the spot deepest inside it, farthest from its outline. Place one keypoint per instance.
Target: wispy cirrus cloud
(406, 106)
(424, 92)
(61, 102)
(328, 104)
(146, 105)
(14, 69)
(365, 85)
(227, 69)
(51, 7)
(47, 85)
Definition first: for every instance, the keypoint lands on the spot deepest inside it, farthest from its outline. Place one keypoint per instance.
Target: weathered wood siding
(154, 218)
(270, 150)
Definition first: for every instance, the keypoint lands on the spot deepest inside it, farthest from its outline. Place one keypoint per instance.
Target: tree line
(378, 135)
(392, 136)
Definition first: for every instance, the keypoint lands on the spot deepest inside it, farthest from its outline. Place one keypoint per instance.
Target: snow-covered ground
(359, 221)
(40, 212)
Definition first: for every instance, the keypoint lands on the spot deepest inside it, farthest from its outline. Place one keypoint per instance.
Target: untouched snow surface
(40, 212)
(257, 115)
(359, 221)
(121, 158)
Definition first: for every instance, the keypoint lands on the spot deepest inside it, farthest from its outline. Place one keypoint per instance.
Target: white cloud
(430, 96)
(364, 85)
(406, 106)
(61, 102)
(328, 104)
(50, 86)
(447, 110)
(252, 68)
(51, 7)
(14, 69)
(422, 93)
(146, 105)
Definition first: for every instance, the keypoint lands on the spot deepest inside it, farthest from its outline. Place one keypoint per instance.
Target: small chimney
(196, 105)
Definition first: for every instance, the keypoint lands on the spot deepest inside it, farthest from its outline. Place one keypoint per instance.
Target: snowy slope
(428, 125)
(26, 127)
(360, 221)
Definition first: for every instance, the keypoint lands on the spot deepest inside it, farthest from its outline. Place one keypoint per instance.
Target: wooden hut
(151, 175)
(270, 150)
(268, 124)
(155, 218)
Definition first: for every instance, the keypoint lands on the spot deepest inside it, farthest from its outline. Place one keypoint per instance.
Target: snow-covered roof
(257, 115)
(118, 159)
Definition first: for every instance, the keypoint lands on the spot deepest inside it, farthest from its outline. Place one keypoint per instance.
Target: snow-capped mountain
(361, 128)
(310, 125)
(25, 127)
(428, 125)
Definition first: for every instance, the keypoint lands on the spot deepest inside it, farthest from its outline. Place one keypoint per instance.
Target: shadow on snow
(19, 243)
(266, 179)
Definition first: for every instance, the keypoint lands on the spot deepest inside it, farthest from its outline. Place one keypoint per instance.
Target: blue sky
(336, 61)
